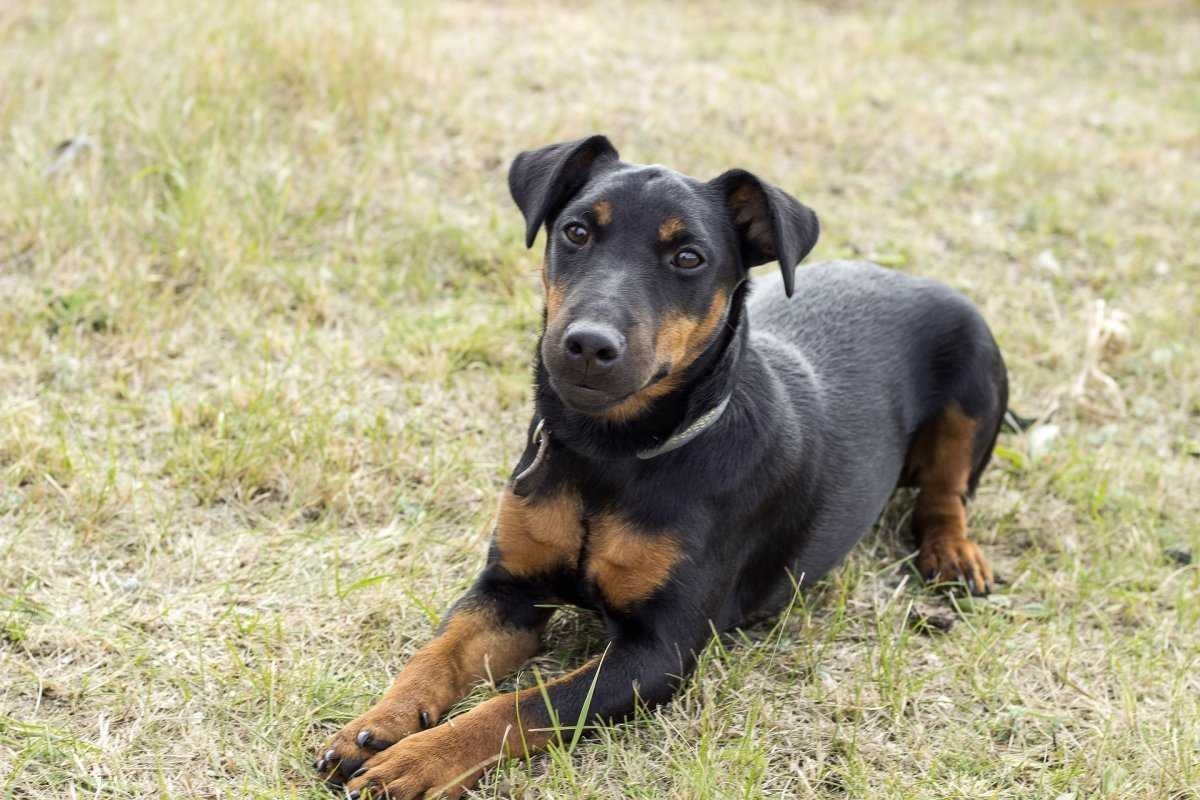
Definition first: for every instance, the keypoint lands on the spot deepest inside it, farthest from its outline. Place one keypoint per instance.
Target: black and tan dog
(699, 443)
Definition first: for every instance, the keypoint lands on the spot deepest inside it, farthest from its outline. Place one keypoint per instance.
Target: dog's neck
(707, 383)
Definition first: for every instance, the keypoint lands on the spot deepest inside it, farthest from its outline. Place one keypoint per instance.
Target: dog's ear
(541, 181)
(771, 224)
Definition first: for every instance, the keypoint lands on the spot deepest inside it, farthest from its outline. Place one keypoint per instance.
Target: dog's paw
(440, 760)
(955, 559)
(386, 723)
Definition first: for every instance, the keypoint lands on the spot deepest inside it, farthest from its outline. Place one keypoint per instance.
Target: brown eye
(687, 259)
(577, 233)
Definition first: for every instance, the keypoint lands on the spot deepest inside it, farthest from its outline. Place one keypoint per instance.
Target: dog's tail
(1015, 423)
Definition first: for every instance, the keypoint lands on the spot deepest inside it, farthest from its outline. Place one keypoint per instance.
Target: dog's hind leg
(943, 463)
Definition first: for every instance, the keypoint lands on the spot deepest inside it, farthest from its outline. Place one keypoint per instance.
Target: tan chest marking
(628, 565)
(536, 535)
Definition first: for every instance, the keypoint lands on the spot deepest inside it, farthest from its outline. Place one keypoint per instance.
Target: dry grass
(263, 366)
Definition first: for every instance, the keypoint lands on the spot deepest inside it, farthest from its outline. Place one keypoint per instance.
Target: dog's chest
(624, 563)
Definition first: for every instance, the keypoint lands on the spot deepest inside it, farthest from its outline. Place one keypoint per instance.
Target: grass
(264, 347)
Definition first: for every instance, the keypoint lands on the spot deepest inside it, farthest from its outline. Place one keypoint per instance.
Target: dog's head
(641, 265)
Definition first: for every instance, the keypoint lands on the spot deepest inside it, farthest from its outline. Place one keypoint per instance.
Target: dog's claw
(367, 739)
(425, 720)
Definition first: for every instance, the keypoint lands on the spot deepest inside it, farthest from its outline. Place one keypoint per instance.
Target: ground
(265, 336)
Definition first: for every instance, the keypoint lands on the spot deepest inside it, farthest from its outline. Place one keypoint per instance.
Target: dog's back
(884, 354)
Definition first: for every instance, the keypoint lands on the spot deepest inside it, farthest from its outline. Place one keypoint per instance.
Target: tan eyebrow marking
(603, 211)
(670, 228)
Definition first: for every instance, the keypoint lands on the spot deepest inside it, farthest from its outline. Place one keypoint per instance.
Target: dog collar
(677, 440)
(541, 437)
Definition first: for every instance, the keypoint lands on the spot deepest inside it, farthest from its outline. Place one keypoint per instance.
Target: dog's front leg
(488, 633)
(643, 668)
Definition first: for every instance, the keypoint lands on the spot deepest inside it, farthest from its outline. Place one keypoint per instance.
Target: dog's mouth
(590, 399)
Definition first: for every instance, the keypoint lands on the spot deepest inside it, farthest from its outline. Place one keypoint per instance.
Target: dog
(700, 444)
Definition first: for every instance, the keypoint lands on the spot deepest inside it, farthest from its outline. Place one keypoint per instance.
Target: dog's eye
(577, 233)
(687, 259)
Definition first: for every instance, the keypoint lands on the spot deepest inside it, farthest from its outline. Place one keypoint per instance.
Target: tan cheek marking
(603, 211)
(628, 565)
(687, 336)
(670, 228)
(633, 407)
(537, 535)
(554, 298)
(674, 334)
(681, 339)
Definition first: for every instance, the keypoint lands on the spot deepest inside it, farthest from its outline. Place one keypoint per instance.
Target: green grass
(264, 357)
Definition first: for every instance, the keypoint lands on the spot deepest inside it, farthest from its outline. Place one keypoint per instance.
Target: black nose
(593, 344)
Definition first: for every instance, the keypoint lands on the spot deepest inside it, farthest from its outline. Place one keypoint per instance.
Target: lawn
(265, 335)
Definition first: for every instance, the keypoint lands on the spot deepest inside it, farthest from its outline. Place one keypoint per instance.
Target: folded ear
(772, 225)
(542, 181)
